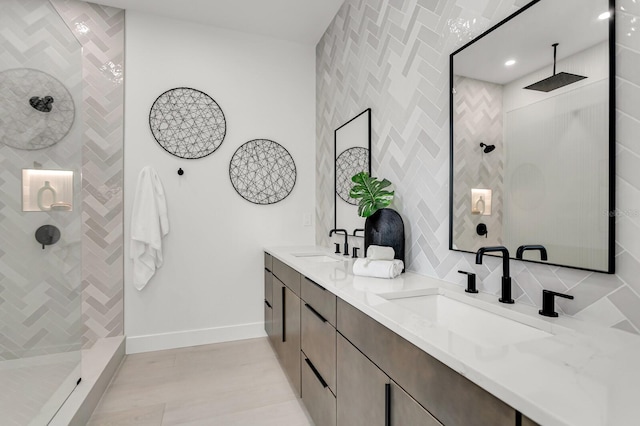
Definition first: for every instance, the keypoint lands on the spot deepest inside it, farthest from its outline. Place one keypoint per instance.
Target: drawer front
(450, 397)
(268, 262)
(319, 343)
(268, 287)
(317, 398)
(291, 342)
(289, 276)
(323, 301)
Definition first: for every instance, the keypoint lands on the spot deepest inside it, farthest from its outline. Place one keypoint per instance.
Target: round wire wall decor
(36, 109)
(187, 123)
(349, 163)
(262, 171)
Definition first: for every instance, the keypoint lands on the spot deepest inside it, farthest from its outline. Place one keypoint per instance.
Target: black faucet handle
(337, 248)
(548, 302)
(355, 252)
(471, 281)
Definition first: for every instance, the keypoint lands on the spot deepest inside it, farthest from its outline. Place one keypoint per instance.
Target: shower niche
(47, 190)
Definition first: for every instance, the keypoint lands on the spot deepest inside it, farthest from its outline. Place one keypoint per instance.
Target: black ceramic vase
(385, 228)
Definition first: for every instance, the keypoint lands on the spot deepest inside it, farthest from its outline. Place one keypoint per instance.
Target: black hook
(180, 172)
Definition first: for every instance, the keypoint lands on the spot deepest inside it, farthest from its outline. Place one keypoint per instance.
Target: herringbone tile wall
(478, 117)
(100, 29)
(393, 56)
(41, 291)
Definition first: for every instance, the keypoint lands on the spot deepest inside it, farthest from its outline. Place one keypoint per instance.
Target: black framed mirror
(352, 154)
(532, 109)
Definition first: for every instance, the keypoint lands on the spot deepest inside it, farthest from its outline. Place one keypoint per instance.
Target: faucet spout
(522, 249)
(506, 279)
(346, 238)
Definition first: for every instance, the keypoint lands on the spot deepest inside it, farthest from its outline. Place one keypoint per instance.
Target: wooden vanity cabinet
(285, 320)
(449, 397)
(368, 397)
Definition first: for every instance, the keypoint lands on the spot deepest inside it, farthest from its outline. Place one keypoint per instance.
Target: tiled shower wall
(393, 56)
(100, 30)
(28, 40)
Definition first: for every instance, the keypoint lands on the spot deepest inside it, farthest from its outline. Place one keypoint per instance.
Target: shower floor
(34, 388)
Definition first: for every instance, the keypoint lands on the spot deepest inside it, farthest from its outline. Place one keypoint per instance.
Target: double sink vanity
(420, 351)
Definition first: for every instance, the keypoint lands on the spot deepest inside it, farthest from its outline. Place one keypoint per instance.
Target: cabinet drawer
(323, 301)
(450, 397)
(268, 262)
(316, 396)
(319, 343)
(289, 276)
(268, 287)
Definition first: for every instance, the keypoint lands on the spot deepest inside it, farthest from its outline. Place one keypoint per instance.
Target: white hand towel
(149, 224)
(380, 253)
(378, 268)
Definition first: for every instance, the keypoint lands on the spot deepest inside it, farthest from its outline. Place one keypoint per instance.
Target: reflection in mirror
(531, 142)
(352, 156)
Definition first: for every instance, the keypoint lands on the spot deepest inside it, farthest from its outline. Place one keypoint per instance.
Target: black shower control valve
(337, 247)
(548, 303)
(47, 235)
(481, 230)
(471, 281)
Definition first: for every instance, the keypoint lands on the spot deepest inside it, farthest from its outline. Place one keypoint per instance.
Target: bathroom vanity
(420, 351)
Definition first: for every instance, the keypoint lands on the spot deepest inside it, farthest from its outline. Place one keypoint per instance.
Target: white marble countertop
(580, 374)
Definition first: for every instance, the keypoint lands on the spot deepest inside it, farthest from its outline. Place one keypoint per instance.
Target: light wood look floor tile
(234, 383)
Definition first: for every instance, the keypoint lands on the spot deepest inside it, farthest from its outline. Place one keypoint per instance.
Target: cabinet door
(316, 395)
(277, 323)
(405, 411)
(361, 388)
(291, 340)
(268, 302)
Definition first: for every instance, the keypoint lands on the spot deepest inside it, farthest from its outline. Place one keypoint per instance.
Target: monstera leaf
(371, 192)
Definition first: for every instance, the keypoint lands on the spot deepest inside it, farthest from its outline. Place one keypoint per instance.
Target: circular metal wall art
(262, 172)
(348, 164)
(36, 110)
(187, 123)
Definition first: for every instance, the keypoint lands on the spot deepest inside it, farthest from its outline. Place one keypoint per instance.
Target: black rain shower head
(487, 148)
(556, 81)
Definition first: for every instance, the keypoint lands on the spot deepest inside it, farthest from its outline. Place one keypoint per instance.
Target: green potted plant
(371, 192)
(383, 226)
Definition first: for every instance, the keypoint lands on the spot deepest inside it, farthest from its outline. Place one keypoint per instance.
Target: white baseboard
(183, 339)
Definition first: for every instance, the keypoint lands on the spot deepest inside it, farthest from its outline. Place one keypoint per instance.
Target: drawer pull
(266, 302)
(316, 313)
(387, 404)
(318, 376)
(316, 284)
(284, 318)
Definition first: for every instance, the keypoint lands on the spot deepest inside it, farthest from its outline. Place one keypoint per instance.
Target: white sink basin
(317, 257)
(470, 322)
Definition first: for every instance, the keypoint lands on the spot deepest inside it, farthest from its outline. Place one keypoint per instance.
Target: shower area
(41, 87)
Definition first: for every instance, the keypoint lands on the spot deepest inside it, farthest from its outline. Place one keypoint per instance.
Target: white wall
(211, 285)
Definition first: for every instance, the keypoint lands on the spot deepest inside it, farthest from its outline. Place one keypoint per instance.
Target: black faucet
(522, 249)
(357, 230)
(506, 279)
(346, 239)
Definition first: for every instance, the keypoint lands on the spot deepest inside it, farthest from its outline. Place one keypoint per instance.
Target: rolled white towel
(380, 253)
(378, 268)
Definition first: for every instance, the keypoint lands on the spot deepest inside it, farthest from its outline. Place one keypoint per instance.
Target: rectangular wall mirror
(533, 128)
(352, 156)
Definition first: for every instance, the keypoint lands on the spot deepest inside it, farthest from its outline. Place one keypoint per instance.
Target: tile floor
(234, 383)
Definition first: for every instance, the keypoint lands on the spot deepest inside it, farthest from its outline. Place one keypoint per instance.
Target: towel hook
(180, 172)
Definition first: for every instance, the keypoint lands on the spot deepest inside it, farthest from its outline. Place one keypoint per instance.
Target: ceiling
(527, 38)
(301, 21)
